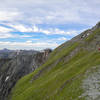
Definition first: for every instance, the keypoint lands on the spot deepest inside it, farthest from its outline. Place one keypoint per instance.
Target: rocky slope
(15, 64)
(64, 75)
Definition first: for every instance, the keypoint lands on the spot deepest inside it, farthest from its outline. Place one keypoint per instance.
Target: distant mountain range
(6, 53)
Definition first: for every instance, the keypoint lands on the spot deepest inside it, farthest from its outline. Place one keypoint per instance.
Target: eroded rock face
(91, 84)
(13, 68)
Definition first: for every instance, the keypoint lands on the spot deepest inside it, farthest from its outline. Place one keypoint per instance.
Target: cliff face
(17, 64)
(70, 73)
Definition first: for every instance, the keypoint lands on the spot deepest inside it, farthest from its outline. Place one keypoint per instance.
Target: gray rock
(12, 68)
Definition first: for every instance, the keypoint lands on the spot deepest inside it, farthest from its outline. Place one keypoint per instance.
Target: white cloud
(29, 41)
(23, 36)
(51, 11)
(8, 15)
(4, 29)
(35, 29)
(18, 14)
(52, 31)
(62, 39)
(4, 32)
(49, 31)
(21, 28)
(5, 35)
(27, 45)
(9, 35)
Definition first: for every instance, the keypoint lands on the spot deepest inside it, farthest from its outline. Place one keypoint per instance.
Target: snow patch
(6, 78)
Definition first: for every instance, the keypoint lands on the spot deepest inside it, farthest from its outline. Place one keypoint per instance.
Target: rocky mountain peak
(96, 26)
(16, 64)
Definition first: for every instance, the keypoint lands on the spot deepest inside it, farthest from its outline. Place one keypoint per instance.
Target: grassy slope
(60, 81)
(91, 37)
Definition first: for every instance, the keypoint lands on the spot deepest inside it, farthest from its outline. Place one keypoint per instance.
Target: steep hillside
(71, 72)
(14, 65)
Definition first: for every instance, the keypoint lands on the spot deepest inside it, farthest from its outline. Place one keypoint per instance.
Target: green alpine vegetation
(63, 74)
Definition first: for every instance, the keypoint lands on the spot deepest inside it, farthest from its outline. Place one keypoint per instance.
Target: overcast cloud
(22, 19)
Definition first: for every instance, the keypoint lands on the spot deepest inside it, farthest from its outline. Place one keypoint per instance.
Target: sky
(40, 24)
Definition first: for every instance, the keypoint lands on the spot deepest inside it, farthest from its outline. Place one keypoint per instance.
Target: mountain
(6, 53)
(72, 72)
(5, 50)
(15, 64)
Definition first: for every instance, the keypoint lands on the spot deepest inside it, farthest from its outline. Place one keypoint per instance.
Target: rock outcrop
(16, 64)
